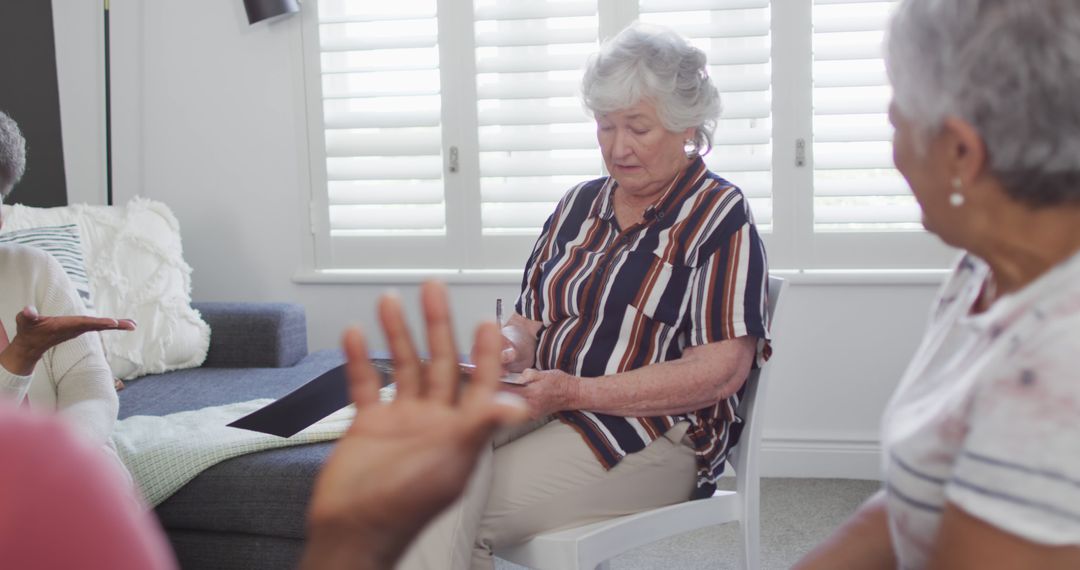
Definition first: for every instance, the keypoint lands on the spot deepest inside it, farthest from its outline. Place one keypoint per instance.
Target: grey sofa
(246, 512)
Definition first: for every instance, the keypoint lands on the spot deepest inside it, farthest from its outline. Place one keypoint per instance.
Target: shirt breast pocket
(662, 289)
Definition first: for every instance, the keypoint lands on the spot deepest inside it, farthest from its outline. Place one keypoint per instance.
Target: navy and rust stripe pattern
(614, 299)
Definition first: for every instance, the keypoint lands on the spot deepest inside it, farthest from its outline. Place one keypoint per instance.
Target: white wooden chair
(591, 546)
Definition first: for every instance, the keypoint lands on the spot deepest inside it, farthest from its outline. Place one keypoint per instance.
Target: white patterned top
(987, 416)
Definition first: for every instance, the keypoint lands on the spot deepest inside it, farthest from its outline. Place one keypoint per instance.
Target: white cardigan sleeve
(12, 386)
(85, 390)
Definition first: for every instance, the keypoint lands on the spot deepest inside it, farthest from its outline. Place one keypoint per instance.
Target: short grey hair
(654, 63)
(12, 154)
(1010, 68)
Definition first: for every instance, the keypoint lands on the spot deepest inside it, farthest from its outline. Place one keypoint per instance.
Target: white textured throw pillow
(136, 269)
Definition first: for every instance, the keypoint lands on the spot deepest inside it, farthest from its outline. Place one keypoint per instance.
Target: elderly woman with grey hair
(982, 437)
(12, 155)
(46, 357)
(641, 313)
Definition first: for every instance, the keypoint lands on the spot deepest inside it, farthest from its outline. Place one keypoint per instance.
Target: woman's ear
(965, 151)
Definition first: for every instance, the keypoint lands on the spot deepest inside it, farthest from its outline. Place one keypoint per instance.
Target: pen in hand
(507, 353)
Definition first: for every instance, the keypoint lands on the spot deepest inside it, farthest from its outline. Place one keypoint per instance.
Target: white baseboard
(841, 458)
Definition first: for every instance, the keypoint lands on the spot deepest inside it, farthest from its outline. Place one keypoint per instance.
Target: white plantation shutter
(535, 139)
(735, 35)
(381, 112)
(856, 186)
(443, 132)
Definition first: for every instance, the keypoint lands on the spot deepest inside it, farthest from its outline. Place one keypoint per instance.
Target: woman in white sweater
(46, 356)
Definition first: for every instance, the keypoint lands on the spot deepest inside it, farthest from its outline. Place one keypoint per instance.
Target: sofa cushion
(249, 334)
(196, 388)
(263, 493)
(135, 265)
(235, 550)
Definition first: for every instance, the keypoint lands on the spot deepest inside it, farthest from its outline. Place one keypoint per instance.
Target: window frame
(792, 244)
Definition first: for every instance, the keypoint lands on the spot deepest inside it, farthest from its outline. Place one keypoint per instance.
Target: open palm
(401, 463)
(35, 334)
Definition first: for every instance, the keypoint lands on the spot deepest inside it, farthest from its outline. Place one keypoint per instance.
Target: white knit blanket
(163, 453)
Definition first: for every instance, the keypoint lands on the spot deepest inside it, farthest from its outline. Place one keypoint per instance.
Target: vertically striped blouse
(613, 300)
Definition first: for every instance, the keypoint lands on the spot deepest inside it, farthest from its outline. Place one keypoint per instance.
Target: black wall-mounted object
(259, 10)
(108, 110)
(29, 94)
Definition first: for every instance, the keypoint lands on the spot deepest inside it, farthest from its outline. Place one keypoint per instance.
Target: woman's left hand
(35, 334)
(546, 391)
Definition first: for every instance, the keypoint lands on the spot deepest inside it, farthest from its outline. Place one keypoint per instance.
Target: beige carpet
(796, 514)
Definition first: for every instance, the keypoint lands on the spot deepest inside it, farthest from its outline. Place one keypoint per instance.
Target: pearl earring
(956, 199)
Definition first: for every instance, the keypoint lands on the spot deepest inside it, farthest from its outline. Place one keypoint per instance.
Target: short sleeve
(530, 303)
(1019, 469)
(729, 290)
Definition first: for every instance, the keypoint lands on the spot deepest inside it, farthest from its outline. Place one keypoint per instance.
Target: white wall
(211, 123)
(840, 350)
(78, 27)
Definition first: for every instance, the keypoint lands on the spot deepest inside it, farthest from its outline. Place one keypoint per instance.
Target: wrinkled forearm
(863, 542)
(703, 376)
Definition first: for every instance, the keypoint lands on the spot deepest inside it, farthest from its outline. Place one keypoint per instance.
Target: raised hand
(402, 463)
(35, 334)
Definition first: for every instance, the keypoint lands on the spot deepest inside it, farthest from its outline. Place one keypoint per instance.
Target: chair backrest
(748, 405)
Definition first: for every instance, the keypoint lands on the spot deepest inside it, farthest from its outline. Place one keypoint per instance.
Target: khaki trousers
(544, 477)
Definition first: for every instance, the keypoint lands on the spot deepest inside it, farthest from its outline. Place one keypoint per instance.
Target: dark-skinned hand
(35, 334)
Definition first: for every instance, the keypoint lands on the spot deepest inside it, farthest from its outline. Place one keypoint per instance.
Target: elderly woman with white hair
(982, 437)
(46, 357)
(640, 316)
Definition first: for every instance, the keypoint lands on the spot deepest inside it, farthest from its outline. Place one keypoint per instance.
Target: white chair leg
(751, 531)
(751, 553)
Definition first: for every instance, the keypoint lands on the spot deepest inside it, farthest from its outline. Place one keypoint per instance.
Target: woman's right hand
(518, 344)
(36, 334)
(519, 347)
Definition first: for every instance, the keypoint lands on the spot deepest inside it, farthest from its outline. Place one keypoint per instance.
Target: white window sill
(504, 276)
